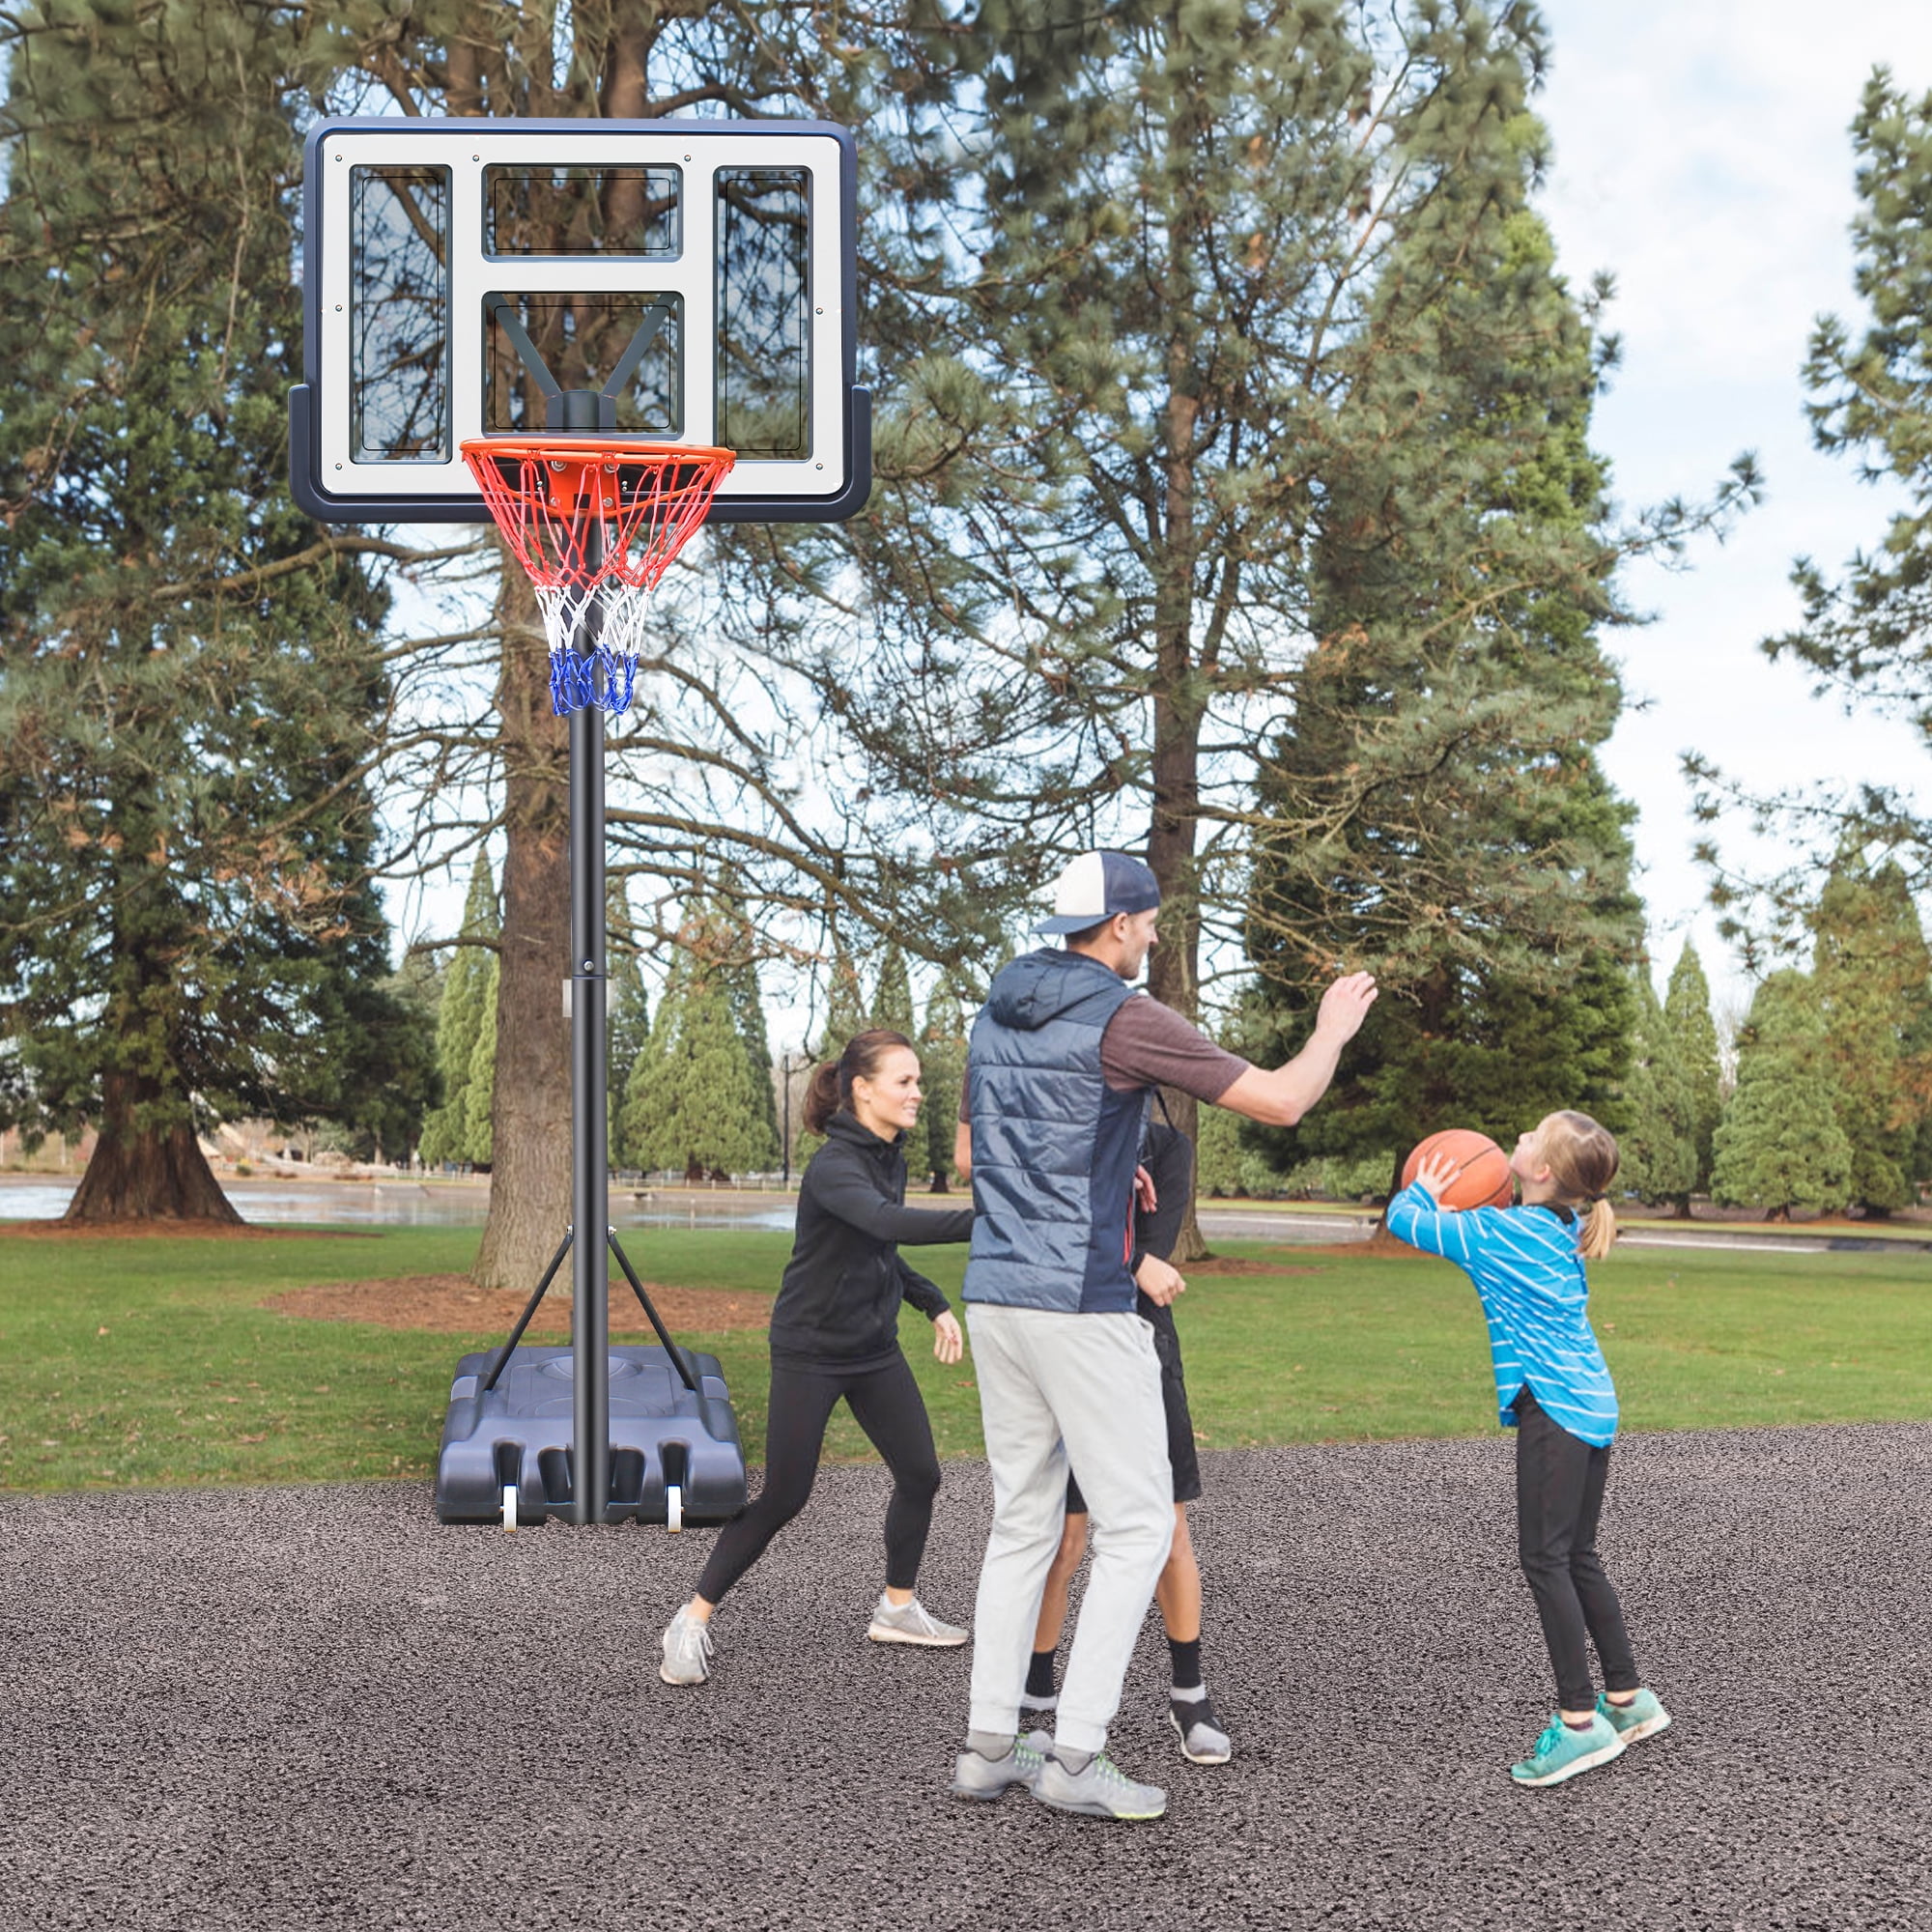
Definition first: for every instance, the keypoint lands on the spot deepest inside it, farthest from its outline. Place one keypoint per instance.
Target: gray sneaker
(1099, 1789)
(1203, 1741)
(976, 1776)
(912, 1623)
(687, 1649)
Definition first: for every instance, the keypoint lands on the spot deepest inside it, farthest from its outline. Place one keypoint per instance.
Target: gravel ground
(316, 1708)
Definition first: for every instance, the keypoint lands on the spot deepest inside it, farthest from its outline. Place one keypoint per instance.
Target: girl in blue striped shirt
(1553, 1388)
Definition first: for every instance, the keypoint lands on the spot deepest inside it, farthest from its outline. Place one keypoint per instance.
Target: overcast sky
(1702, 157)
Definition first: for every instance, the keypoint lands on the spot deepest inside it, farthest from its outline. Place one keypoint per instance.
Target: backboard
(677, 281)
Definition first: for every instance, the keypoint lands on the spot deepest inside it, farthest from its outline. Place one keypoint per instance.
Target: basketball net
(595, 524)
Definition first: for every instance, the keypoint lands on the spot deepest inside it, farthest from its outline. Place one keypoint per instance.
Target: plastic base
(518, 1436)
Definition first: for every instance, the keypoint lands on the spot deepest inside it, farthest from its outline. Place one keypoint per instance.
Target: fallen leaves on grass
(452, 1305)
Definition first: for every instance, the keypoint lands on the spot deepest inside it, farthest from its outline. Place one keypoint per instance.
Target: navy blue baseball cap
(1094, 887)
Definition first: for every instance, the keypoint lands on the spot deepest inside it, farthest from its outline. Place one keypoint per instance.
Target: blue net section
(595, 635)
(603, 678)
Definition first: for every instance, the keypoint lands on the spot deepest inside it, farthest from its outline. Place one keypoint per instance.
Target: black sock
(1040, 1674)
(1187, 1664)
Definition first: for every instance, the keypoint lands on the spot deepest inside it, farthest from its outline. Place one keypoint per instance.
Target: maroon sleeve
(1148, 1044)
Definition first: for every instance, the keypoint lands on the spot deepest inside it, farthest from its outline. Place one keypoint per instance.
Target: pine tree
(1779, 1145)
(734, 947)
(1864, 635)
(468, 1005)
(630, 1021)
(1437, 809)
(1218, 1157)
(416, 991)
(1658, 1142)
(891, 998)
(191, 686)
(845, 1003)
(942, 1066)
(1870, 970)
(691, 1103)
(479, 1137)
(1687, 1008)
(1112, 511)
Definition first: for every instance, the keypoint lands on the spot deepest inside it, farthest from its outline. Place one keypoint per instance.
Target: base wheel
(674, 1507)
(510, 1506)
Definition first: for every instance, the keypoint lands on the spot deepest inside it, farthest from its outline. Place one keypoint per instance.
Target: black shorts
(1181, 1450)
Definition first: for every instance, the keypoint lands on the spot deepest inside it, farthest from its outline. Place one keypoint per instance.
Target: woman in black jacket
(835, 1332)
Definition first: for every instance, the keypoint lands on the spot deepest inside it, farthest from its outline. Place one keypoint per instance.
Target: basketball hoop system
(555, 299)
(595, 524)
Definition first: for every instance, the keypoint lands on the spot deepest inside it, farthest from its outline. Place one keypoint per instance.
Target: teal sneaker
(1560, 1752)
(1643, 1717)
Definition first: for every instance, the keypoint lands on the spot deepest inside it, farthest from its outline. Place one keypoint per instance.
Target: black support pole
(589, 1121)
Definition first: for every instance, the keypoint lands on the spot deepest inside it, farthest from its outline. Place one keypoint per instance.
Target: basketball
(1482, 1177)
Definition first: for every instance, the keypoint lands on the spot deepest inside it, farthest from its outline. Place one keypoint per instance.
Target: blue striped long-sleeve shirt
(1535, 1297)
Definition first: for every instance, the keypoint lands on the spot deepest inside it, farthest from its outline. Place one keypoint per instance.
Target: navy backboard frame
(700, 276)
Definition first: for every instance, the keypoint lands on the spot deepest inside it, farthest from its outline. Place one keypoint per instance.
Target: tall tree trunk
(529, 1106)
(143, 1173)
(1174, 968)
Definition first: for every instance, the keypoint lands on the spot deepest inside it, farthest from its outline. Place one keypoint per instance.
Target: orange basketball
(1482, 1176)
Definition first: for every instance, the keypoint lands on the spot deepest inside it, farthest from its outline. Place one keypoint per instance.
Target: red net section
(644, 502)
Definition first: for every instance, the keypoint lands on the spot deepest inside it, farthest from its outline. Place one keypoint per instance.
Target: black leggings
(1559, 1496)
(886, 1404)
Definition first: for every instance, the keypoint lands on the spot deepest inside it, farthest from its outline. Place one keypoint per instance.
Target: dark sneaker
(1099, 1789)
(1203, 1741)
(912, 1623)
(1643, 1717)
(1561, 1754)
(687, 1650)
(977, 1775)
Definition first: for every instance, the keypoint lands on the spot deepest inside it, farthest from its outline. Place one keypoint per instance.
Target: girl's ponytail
(1582, 1159)
(1597, 1229)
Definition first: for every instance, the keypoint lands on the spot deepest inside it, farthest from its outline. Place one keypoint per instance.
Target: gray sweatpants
(1056, 1389)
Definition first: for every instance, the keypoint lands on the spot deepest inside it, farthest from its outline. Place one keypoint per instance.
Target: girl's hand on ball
(1434, 1174)
(948, 1342)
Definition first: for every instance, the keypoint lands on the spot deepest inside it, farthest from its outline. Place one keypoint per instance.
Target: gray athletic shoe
(1099, 1789)
(687, 1649)
(1203, 1741)
(912, 1623)
(977, 1775)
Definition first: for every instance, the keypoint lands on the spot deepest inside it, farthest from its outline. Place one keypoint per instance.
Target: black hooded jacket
(839, 1304)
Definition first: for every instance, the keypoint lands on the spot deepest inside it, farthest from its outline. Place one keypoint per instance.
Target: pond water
(409, 1204)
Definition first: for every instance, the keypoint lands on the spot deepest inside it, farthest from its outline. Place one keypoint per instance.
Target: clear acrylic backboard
(674, 281)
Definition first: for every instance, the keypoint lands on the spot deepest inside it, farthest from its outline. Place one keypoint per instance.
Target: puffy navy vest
(1054, 1148)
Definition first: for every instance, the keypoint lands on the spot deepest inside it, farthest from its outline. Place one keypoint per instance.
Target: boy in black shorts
(1168, 1156)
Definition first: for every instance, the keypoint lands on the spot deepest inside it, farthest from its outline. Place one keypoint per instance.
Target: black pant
(886, 1404)
(1559, 1495)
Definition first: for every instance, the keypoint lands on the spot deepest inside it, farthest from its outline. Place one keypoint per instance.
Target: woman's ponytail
(821, 1097)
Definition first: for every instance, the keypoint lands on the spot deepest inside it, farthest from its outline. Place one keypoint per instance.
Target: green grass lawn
(142, 1363)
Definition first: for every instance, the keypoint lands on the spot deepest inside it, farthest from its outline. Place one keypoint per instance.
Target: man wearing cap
(1063, 1060)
